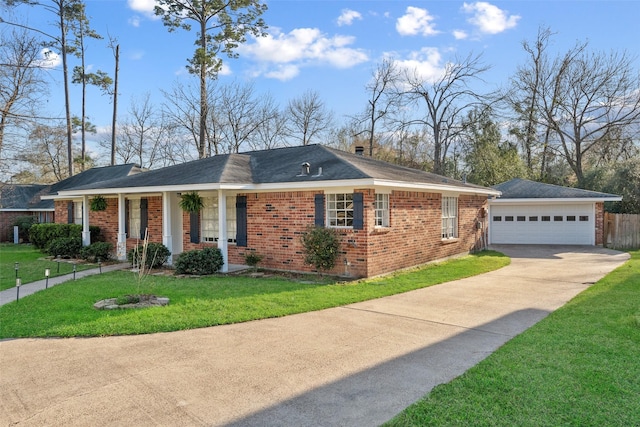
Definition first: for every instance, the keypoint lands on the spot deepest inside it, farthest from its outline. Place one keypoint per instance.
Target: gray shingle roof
(28, 197)
(279, 165)
(518, 188)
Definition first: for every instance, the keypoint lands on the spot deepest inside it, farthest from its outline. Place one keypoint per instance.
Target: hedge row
(41, 235)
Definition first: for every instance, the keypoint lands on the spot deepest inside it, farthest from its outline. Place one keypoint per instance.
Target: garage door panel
(548, 224)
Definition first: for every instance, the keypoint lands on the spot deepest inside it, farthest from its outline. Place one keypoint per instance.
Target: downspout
(166, 224)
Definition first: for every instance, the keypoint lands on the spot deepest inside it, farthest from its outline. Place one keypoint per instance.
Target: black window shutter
(319, 217)
(69, 212)
(144, 217)
(358, 211)
(194, 227)
(241, 220)
(126, 217)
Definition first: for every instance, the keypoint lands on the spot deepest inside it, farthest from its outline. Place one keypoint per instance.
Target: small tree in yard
(321, 247)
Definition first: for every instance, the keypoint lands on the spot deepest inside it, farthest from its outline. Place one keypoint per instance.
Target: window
(134, 219)
(209, 219)
(557, 218)
(449, 217)
(497, 218)
(546, 218)
(584, 217)
(340, 210)
(77, 212)
(571, 217)
(522, 218)
(382, 210)
(533, 218)
(508, 218)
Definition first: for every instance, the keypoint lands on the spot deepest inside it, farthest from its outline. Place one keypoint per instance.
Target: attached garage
(530, 212)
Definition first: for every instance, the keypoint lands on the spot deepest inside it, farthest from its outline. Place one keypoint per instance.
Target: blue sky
(331, 47)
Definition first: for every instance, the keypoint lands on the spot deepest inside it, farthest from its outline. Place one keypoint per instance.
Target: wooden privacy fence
(621, 231)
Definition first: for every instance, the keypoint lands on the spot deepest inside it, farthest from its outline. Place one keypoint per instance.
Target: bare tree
(382, 102)
(446, 99)
(115, 47)
(21, 82)
(239, 113)
(308, 117)
(222, 26)
(589, 99)
(65, 12)
(272, 126)
(47, 160)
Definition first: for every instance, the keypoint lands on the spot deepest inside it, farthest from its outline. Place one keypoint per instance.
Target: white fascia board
(553, 201)
(281, 186)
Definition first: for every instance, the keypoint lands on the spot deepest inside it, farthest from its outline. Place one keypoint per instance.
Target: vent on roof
(306, 168)
(360, 150)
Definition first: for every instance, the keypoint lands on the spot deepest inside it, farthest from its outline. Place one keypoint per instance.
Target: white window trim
(329, 211)
(77, 212)
(232, 222)
(385, 210)
(449, 226)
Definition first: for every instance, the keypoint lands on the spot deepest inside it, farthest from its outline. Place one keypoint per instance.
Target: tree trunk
(115, 108)
(65, 74)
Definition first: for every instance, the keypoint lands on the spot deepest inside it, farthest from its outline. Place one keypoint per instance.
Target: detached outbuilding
(390, 217)
(531, 212)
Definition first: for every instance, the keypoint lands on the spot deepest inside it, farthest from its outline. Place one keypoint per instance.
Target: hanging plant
(191, 202)
(98, 203)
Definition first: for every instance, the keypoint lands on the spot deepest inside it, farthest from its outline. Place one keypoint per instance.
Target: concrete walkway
(9, 295)
(357, 365)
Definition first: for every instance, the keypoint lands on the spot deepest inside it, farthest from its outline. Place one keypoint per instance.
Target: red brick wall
(414, 236)
(276, 221)
(107, 220)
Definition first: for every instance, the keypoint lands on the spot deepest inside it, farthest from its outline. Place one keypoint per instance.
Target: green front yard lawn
(579, 366)
(67, 309)
(31, 265)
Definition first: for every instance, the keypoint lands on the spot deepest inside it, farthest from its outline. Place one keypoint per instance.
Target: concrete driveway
(355, 365)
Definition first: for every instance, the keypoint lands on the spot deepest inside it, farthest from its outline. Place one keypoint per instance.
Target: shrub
(24, 223)
(41, 235)
(252, 259)
(156, 255)
(321, 247)
(200, 262)
(98, 251)
(65, 247)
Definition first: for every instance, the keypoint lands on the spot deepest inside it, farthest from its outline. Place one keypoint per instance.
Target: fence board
(622, 231)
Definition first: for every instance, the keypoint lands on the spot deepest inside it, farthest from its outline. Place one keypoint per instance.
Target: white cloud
(425, 63)
(281, 55)
(489, 19)
(144, 6)
(48, 59)
(416, 21)
(134, 21)
(460, 34)
(347, 17)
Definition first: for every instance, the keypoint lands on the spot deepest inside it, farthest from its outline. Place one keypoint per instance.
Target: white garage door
(546, 224)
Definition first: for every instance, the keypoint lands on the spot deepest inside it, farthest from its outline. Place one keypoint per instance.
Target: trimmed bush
(65, 247)
(156, 256)
(41, 235)
(200, 262)
(321, 247)
(99, 251)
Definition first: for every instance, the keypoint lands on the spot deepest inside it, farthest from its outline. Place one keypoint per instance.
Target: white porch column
(222, 229)
(166, 224)
(86, 234)
(121, 250)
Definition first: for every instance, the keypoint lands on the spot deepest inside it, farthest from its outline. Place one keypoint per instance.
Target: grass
(31, 265)
(66, 310)
(577, 367)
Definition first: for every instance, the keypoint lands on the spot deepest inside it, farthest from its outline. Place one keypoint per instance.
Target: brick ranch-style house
(389, 217)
